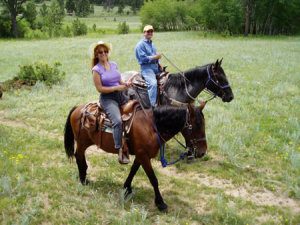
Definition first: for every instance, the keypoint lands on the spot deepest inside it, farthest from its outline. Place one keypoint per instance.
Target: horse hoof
(85, 182)
(190, 159)
(127, 194)
(163, 207)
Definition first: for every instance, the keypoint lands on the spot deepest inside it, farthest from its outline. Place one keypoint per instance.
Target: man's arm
(142, 55)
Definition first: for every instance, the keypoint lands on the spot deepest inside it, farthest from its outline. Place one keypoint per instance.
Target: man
(148, 59)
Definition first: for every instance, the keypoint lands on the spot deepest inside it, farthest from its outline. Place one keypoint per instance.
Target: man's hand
(157, 56)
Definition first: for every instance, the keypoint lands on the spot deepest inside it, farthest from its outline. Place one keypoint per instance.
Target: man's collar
(147, 40)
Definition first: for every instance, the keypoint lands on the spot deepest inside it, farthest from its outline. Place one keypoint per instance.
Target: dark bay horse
(149, 128)
(186, 86)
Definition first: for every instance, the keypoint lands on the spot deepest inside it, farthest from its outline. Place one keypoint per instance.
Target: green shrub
(123, 28)
(36, 34)
(23, 28)
(40, 71)
(79, 28)
(67, 31)
(5, 23)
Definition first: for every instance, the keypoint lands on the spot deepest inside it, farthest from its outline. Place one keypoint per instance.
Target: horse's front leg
(127, 185)
(159, 202)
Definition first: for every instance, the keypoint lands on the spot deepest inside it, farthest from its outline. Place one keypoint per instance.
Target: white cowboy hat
(95, 45)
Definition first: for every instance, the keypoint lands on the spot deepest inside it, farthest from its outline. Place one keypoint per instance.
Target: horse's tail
(69, 136)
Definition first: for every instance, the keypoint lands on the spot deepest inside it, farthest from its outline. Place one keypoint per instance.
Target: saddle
(161, 78)
(94, 119)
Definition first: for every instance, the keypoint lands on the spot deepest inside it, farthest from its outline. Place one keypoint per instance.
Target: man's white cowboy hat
(95, 45)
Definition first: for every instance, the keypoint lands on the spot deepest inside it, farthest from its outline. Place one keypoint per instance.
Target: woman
(107, 80)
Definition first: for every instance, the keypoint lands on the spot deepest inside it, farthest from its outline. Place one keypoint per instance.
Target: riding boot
(123, 159)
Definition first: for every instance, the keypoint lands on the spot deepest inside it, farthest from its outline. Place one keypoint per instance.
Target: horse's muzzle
(227, 97)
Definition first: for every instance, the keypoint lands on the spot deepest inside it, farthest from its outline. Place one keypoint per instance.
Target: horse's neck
(194, 85)
(169, 120)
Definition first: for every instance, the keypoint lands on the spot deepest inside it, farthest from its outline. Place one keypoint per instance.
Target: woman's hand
(121, 87)
(128, 83)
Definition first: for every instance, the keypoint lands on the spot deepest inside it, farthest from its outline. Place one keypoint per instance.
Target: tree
(14, 7)
(121, 7)
(135, 5)
(53, 20)
(70, 6)
(43, 10)
(5, 24)
(82, 8)
(30, 14)
(61, 4)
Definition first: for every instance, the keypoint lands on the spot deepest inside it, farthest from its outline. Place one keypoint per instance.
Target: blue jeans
(111, 104)
(149, 74)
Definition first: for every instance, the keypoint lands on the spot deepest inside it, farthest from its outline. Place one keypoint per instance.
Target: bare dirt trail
(258, 196)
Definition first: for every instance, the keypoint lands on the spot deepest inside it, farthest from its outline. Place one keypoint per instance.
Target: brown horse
(149, 129)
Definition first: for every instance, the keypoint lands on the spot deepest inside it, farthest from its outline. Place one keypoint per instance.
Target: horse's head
(217, 82)
(194, 131)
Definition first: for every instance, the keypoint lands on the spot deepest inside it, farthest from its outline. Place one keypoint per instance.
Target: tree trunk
(14, 26)
(247, 18)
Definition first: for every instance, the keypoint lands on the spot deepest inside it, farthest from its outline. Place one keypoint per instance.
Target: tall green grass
(253, 141)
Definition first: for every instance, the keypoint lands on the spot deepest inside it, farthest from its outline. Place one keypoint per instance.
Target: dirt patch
(257, 196)
(20, 124)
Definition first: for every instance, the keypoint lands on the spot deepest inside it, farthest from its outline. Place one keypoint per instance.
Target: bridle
(209, 80)
(214, 82)
(189, 127)
(209, 84)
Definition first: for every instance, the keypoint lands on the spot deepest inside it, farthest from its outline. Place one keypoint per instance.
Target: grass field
(250, 176)
(108, 21)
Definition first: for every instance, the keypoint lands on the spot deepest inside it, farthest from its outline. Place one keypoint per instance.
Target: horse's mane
(177, 80)
(169, 119)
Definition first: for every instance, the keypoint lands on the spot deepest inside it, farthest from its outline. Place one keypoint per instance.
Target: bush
(5, 23)
(23, 28)
(79, 28)
(123, 28)
(36, 34)
(40, 71)
(67, 31)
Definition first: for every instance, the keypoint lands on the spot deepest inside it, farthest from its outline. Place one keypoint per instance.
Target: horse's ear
(202, 105)
(221, 61)
(217, 63)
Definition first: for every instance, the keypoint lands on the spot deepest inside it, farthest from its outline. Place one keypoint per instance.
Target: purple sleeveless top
(109, 78)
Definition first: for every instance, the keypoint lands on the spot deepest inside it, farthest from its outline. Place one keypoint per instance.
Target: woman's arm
(100, 88)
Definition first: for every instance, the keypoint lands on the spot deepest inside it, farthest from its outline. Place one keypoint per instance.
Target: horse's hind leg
(159, 202)
(81, 163)
(127, 185)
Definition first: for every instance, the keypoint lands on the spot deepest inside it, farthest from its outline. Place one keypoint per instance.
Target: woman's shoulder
(97, 68)
(113, 64)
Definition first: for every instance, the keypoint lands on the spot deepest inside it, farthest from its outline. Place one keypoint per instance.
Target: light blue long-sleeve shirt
(144, 52)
